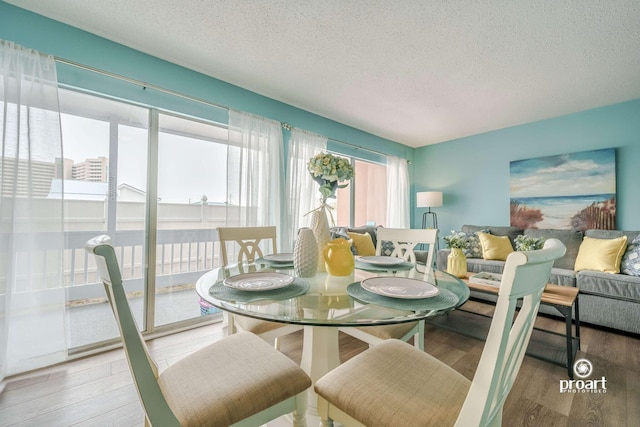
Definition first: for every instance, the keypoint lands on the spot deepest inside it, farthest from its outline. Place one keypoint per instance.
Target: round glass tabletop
(325, 300)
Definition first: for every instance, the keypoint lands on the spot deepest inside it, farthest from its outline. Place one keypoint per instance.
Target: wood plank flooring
(97, 390)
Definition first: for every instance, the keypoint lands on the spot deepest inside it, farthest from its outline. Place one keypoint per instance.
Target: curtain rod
(145, 85)
(359, 147)
(139, 83)
(289, 127)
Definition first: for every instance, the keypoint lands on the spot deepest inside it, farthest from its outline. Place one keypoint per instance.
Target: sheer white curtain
(32, 294)
(397, 192)
(254, 171)
(302, 190)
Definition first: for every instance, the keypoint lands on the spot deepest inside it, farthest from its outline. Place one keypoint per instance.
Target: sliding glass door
(192, 173)
(102, 181)
(137, 175)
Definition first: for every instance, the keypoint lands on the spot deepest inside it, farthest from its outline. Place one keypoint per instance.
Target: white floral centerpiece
(457, 240)
(330, 171)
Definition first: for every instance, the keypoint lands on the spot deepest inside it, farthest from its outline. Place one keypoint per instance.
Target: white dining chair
(394, 384)
(404, 242)
(237, 381)
(247, 241)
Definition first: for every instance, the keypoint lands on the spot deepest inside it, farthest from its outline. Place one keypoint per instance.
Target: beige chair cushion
(256, 326)
(386, 332)
(385, 386)
(230, 380)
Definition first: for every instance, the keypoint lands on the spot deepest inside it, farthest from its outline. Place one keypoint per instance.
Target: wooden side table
(562, 298)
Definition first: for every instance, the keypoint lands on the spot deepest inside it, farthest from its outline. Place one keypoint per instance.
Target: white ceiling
(415, 72)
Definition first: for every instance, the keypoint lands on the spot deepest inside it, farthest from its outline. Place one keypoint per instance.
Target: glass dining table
(323, 303)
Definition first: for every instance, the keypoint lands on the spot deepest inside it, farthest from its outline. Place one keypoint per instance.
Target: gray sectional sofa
(606, 299)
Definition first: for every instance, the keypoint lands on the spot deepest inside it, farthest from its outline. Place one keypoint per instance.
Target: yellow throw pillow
(495, 247)
(363, 243)
(601, 254)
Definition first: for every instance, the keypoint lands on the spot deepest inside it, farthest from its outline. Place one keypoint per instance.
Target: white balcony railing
(186, 245)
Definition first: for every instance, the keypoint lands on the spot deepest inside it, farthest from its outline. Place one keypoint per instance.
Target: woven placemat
(225, 293)
(366, 266)
(444, 300)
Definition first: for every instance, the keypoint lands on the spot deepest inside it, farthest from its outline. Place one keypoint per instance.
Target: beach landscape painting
(568, 191)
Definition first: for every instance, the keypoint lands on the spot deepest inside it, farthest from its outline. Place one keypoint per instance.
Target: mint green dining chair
(395, 384)
(237, 381)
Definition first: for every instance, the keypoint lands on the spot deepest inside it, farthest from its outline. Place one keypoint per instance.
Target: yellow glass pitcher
(338, 258)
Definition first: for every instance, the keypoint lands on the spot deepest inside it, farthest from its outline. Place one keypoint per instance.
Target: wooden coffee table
(562, 298)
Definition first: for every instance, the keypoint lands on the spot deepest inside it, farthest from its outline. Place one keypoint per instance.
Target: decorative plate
(381, 260)
(400, 287)
(285, 258)
(260, 281)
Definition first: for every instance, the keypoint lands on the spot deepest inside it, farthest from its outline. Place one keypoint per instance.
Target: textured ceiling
(415, 72)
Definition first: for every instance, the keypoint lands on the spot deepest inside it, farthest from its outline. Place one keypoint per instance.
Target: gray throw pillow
(387, 248)
(475, 248)
(631, 259)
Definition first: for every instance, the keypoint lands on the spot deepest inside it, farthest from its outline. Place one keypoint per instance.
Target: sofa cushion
(564, 277)
(477, 265)
(510, 232)
(630, 263)
(601, 254)
(611, 234)
(363, 243)
(495, 247)
(610, 285)
(570, 238)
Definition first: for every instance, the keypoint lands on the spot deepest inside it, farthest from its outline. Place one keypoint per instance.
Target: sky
(188, 168)
(583, 173)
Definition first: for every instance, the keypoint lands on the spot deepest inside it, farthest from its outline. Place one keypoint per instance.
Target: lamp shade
(429, 199)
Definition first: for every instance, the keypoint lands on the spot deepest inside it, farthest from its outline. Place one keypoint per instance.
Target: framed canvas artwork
(568, 191)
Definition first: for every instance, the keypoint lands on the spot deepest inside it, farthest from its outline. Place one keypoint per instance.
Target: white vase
(320, 227)
(305, 254)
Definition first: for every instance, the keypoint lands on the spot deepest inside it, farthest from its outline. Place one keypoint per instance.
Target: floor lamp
(429, 199)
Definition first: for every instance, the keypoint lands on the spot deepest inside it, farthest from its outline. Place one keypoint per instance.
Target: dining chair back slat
(438, 394)
(405, 240)
(524, 278)
(143, 368)
(247, 240)
(195, 389)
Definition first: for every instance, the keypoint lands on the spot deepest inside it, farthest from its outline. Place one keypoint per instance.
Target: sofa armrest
(441, 259)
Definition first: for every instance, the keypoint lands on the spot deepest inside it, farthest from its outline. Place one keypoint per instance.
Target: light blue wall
(49, 36)
(473, 172)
